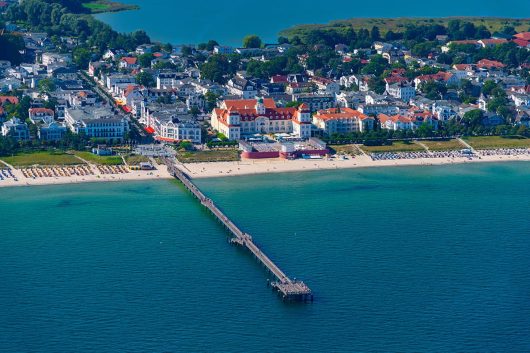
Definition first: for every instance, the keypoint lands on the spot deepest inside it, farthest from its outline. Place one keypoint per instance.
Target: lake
(192, 22)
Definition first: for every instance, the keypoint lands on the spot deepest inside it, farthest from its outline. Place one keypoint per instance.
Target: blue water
(191, 22)
(428, 259)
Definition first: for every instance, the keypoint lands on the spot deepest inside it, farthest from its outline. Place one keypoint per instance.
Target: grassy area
(136, 160)
(208, 156)
(443, 145)
(103, 160)
(351, 150)
(397, 146)
(492, 142)
(41, 158)
(99, 6)
(399, 24)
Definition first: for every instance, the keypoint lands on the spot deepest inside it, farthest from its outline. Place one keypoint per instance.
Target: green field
(45, 158)
(135, 159)
(208, 156)
(351, 150)
(492, 142)
(99, 6)
(399, 24)
(103, 160)
(443, 145)
(397, 146)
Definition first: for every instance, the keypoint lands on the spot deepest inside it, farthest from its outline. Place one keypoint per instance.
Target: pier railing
(288, 289)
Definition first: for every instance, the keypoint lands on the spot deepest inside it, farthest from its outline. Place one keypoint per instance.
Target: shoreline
(255, 167)
(275, 166)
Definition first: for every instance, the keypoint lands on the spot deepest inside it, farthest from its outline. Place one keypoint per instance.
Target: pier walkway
(289, 289)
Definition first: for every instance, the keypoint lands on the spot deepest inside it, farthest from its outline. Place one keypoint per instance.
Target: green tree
(473, 117)
(252, 41)
(144, 60)
(46, 85)
(145, 79)
(82, 57)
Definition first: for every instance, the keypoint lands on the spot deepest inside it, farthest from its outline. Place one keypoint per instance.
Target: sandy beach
(249, 167)
(21, 180)
(252, 167)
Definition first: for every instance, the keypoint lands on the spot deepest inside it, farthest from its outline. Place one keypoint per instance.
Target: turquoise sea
(431, 259)
(191, 22)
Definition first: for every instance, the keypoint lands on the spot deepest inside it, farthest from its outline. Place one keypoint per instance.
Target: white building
(16, 129)
(401, 90)
(96, 123)
(342, 121)
(238, 118)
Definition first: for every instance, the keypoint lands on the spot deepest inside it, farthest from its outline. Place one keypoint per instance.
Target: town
(76, 93)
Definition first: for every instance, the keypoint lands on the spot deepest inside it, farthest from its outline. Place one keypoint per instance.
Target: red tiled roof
(395, 79)
(279, 79)
(521, 42)
(493, 41)
(8, 99)
(340, 113)
(488, 64)
(237, 104)
(523, 35)
(462, 67)
(40, 111)
(129, 60)
(149, 130)
(383, 118)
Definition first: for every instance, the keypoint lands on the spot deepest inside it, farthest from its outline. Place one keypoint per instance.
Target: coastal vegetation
(396, 146)
(135, 159)
(351, 149)
(492, 142)
(99, 6)
(43, 158)
(221, 155)
(102, 160)
(388, 27)
(443, 145)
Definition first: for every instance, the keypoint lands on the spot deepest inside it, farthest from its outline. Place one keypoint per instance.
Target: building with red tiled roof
(522, 43)
(491, 42)
(395, 122)
(8, 100)
(342, 121)
(446, 77)
(128, 62)
(245, 117)
(37, 115)
(490, 64)
(523, 36)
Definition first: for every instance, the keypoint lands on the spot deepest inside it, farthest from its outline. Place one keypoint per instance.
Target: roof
(237, 104)
(523, 35)
(492, 41)
(462, 67)
(40, 111)
(440, 76)
(383, 118)
(129, 60)
(485, 63)
(522, 42)
(340, 114)
(8, 99)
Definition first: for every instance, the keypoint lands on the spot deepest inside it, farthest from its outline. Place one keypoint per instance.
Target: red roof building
(490, 64)
(237, 118)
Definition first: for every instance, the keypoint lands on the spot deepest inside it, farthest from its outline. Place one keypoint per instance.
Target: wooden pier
(288, 289)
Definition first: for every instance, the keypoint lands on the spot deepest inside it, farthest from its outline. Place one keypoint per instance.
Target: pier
(287, 288)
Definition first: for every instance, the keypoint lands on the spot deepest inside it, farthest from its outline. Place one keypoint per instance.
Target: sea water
(431, 259)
